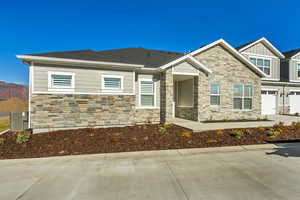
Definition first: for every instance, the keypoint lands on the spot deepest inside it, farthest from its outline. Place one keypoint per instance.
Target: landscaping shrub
(186, 134)
(2, 140)
(237, 133)
(274, 132)
(279, 127)
(261, 129)
(164, 128)
(296, 125)
(220, 132)
(22, 137)
(248, 131)
(212, 141)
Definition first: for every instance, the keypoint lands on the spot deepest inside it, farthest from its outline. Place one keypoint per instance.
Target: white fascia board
(295, 55)
(201, 66)
(233, 51)
(266, 42)
(66, 60)
(178, 60)
(225, 45)
(187, 57)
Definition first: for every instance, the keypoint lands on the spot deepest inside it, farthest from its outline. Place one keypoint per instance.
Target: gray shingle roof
(148, 58)
(242, 46)
(291, 53)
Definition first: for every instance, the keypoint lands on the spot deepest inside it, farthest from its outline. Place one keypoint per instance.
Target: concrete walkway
(233, 173)
(198, 126)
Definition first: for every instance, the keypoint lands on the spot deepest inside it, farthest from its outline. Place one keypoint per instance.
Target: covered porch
(185, 97)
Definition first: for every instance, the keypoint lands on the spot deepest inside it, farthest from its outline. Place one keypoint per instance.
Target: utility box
(19, 121)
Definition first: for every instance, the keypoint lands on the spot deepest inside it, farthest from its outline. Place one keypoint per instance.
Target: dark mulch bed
(240, 120)
(134, 138)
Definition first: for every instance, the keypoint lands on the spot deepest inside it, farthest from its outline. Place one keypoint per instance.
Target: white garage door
(268, 102)
(294, 98)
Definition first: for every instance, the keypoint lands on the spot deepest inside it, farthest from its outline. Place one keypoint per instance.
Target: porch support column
(167, 95)
(196, 98)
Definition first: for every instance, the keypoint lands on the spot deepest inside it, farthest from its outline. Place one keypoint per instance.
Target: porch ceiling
(182, 77)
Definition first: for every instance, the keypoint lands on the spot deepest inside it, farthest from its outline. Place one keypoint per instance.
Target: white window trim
(264, 58)
(140, 94)
(297, 64)
(61, 88)
(111, 90)
(210, 94)
(243, 97)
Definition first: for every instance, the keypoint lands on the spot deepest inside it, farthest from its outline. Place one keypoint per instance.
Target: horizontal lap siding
(86, 80)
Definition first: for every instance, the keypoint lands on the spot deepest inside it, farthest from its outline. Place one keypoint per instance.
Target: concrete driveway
(212, 174)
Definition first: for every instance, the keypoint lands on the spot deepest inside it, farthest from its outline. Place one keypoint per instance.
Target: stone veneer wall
(147, 116)
(69, 110)
(185, 113)
(227, 70)
(167, 95)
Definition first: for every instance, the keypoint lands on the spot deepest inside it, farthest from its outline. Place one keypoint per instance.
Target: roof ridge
(293, 50)
(161, 51)
(71, 51)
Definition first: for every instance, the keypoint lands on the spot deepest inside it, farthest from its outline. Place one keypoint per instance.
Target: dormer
(265, 56)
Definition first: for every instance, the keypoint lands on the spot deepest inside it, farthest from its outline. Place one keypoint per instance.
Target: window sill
(241, 110)
(185, 106)
(61, 89)
(140, 108)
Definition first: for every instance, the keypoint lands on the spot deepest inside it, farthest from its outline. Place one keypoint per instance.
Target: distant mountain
(13, 90)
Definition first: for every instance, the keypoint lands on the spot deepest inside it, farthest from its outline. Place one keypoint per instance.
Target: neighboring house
(290, 71)
(135, 85)
(280, 90)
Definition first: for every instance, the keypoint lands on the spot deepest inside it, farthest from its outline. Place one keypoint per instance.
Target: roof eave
(29, 58)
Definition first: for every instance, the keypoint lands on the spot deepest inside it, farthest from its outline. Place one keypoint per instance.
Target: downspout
(283, 100)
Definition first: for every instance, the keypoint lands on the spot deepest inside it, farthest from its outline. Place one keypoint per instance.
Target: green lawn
(4, 124)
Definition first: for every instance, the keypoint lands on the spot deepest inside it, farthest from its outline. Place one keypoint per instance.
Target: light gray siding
(293, 70)
(185, 67)
(87, 80)
(156, 79)
(260, 50)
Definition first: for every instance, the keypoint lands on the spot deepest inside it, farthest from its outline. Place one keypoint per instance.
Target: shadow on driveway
(287, 150)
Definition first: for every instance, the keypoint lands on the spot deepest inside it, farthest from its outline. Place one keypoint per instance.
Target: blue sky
(44, 26)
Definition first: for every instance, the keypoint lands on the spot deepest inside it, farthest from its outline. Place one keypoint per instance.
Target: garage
(294, 98)
(268, 102)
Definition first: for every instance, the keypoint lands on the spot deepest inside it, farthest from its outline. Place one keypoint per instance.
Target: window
(112, 83)
(61, 81)
(263, 64)
(147, 93)
(215, 94)
(298, 70)
(242, 97)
